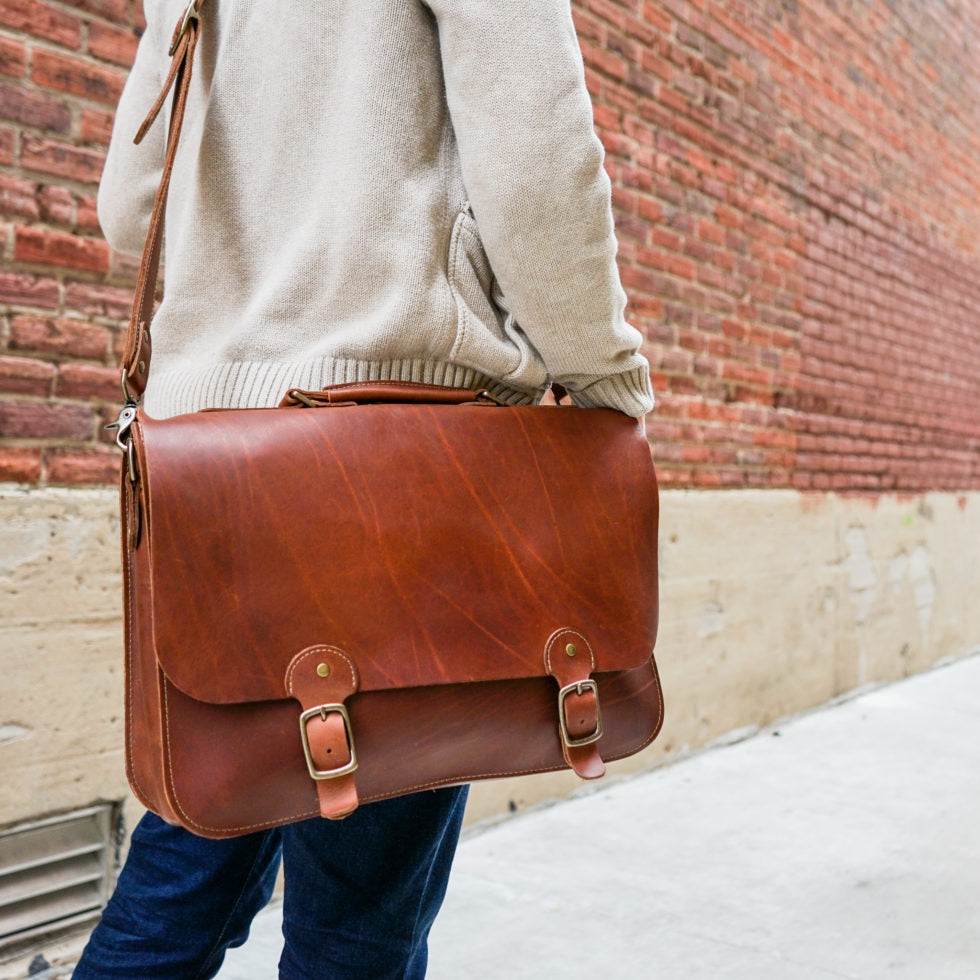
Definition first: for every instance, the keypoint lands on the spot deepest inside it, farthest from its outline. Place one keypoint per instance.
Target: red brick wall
(63, 296)
(797, 199)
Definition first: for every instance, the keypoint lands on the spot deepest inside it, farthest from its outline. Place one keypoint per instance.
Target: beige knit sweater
(377, 189)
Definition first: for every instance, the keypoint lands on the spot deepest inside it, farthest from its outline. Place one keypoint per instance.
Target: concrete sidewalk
(843, 843)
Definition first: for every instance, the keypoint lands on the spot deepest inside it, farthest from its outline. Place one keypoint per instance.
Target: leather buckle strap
(322, 677)
(570, 660)
(579, 688)
(323, 711)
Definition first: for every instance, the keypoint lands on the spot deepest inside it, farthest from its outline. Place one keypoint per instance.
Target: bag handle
(138, 348)
(364, 392)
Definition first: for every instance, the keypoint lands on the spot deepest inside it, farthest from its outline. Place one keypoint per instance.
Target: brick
(677, 361)
(25, 289)
(587, 26)
(88, 381)
(605, 61)
(24, 376)
(607, 11)
(61, 249)
(87, 217)
(96, 126)
(65, 73)
(46, 420)
(19, 465)
(118, 11)
(607, 117)
(97, 299)
(88, 467)
(42, 20)
(124, 267)
(811, 326)
(57, 205)
(50, 335)
(32, 108)
(62, 159)
(18, 198)
(112, 44)
(13, 57)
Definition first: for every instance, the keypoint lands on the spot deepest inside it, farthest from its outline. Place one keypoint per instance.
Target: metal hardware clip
(189, 14)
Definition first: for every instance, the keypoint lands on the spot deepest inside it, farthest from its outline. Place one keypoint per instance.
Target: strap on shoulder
(136, 354)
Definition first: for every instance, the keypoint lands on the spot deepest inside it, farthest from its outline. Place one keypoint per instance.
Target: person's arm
(132, 173)
(534, 175)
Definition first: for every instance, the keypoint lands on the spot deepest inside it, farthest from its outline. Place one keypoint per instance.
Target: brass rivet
(142, 366)
(570, 649)
(323, 670)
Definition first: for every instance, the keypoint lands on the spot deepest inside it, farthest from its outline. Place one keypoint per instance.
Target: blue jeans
(360, 895)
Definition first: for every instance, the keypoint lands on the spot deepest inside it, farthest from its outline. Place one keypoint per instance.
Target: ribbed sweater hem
(629, 392)
(260, 384)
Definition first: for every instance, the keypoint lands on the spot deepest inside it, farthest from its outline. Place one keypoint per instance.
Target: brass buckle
(493, 399)
(323, 710)
(189, 14)
(579, 687)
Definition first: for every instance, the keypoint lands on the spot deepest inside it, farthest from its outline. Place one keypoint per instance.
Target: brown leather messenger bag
(374, 589)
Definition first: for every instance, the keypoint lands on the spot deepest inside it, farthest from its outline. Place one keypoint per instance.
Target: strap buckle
(323, 710)
(579, 687)
(189, 14)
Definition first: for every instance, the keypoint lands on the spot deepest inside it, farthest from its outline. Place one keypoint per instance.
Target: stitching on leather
(200, 826)
(326, 648)
(554, 638)
(130, 764)
(660, 724)
(459, 780)
(449, 780)
(566, 750)
(347, 385)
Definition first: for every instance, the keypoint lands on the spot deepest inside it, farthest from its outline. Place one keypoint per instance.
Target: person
(364, 189)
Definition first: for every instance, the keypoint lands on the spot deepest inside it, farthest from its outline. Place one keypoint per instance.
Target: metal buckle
(323, 710)
(189, 14)
(579, 687)
(493, 399)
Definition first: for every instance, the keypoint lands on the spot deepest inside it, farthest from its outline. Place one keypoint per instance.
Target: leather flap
(411, 536)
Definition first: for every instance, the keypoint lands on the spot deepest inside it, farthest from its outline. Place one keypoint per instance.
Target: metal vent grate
(53, 876)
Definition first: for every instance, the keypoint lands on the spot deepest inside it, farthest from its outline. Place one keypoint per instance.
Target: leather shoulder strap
(136, 354)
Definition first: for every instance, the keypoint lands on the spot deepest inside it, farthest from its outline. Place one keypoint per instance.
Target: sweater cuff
(629, 392)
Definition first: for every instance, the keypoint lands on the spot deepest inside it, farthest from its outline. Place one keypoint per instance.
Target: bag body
(373, 589)
(442, 572)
